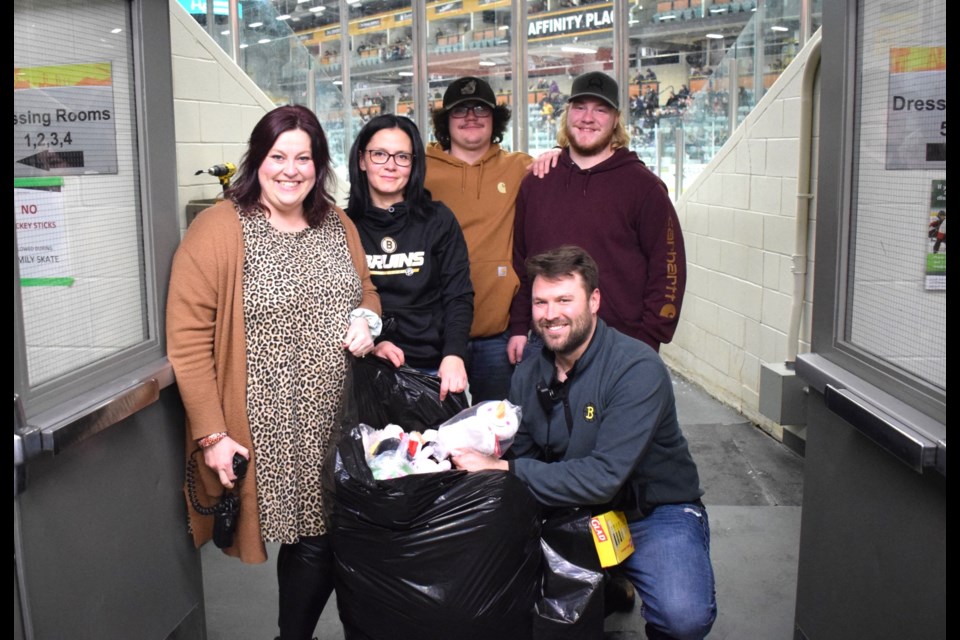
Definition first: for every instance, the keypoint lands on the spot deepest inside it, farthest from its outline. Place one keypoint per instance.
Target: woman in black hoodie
(415, 251)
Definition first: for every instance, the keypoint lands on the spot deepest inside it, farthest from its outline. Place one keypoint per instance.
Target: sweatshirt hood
(436, 152)
(619, 158)
(388, 219)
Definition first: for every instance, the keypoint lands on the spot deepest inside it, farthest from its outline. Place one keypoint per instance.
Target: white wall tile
(721, 224)
(749, 228)
(195, 79)
(736, 191)
(788, 196)
(758, 156)
(220, 123)
(765, 193)
(186, 114)
(731, 326)
(776, 310)
(779, 234)
(782, 157)
(772, 270)
(769, 124)
(696, 219)
(772, 344)
(708, 252)
(183, 44)
(750, 371)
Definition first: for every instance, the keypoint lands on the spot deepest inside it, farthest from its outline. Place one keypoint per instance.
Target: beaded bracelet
(210, 440)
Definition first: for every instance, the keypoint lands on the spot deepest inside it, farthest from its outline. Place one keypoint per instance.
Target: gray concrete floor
(753, 488)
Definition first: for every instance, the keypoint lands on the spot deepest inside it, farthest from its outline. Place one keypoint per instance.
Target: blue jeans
(488, 369)
(671, 571)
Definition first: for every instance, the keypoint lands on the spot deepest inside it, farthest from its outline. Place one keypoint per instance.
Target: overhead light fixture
(117, 30)
(487, 63)
(285, 16)
(715, 36)
(263, 40)
(778, 28)
(225, 33)
(302, 1)
(338, 82)
(571, 48)
(244, 45)
(318, 8)
(668, 16)
(254, 25)
(718, 10)
(406, 74)
(505, 27)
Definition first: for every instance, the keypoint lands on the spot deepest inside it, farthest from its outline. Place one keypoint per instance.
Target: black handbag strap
(192, 490)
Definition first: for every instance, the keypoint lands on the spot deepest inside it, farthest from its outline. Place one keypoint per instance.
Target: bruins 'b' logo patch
(590, 412)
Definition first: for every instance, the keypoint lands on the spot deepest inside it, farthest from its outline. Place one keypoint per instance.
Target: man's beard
(580, 329)
(601, 145)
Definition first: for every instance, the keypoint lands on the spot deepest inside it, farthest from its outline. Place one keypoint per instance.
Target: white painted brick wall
(215, 107)
(741, 212)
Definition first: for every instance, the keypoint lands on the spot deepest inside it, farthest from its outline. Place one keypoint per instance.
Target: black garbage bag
(571, 605)
(386, 394)
(441, 555)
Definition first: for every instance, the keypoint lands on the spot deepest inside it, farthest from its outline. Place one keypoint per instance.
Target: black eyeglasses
(479, 110)
(401, 158)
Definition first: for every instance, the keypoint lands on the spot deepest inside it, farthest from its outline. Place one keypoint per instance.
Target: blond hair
(621, 138)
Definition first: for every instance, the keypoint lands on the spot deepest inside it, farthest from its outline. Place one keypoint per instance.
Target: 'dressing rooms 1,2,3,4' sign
(64, 120)
(917, 108)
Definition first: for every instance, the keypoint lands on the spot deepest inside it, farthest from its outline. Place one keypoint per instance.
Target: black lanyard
(549, 395)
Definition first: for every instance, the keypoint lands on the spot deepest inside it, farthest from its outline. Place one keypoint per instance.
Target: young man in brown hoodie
(469, 172)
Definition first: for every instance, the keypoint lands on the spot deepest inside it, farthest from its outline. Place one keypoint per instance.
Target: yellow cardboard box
(611, 536)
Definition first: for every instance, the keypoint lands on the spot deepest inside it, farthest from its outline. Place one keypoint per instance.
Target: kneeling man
(599, 430)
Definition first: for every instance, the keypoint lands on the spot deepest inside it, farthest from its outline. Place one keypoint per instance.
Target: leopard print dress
(298, 291)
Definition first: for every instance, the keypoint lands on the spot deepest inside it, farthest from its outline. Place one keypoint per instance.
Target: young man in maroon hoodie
(602, 197)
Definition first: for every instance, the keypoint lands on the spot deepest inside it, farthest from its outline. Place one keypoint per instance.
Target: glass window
(470, 38)
(895, 294)
(564, 39)
(381, 60)
(93, 226)
(77, 209)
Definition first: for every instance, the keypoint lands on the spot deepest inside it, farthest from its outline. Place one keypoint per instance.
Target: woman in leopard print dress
(269, 297)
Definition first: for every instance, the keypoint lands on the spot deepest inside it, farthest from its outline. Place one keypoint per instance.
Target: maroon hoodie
(620, 212)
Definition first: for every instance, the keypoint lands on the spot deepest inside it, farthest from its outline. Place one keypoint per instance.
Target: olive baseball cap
(597, 85)
(468, 89)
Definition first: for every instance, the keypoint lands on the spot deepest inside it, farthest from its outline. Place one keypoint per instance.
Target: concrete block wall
(216, 106)
(740, 227)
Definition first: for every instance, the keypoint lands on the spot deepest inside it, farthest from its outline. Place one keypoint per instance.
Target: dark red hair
(246, 188)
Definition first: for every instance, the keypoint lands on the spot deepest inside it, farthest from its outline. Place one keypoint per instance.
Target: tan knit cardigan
(206, 346)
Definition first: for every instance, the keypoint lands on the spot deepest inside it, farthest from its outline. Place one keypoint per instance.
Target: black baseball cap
(468, 89)
(598, 85)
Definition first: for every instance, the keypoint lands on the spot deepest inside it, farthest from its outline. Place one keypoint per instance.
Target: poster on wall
(42, 250)
(64, 120)
(936, 268)
(917, 108)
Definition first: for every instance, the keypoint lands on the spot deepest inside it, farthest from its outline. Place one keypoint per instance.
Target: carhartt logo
(668, 311)
(502, 187)
(469, 88)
